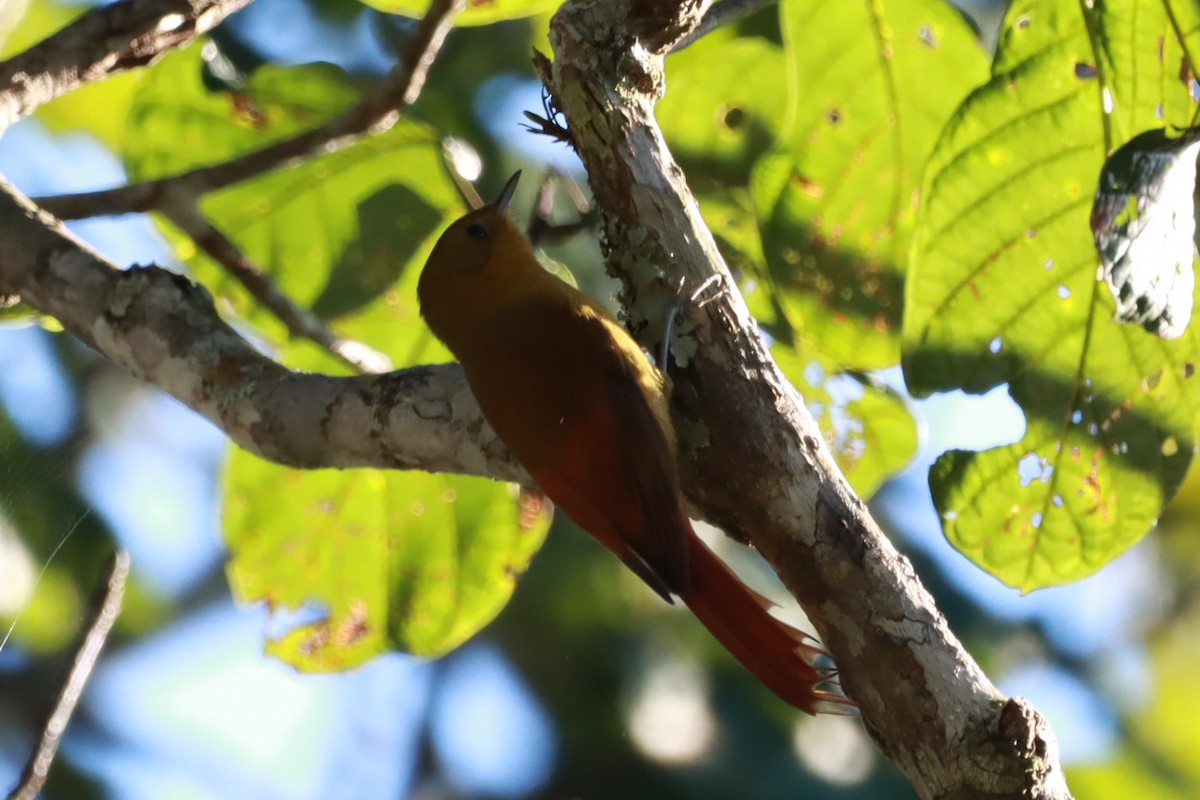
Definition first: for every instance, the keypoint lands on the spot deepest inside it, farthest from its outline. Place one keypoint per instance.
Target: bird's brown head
(477, 249)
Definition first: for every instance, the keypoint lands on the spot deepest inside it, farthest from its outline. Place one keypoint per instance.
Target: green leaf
(389, 243)
(837, 199)
(722, 110)
(477, 12)
(335, 231)
(1003, 288)
(412, 561)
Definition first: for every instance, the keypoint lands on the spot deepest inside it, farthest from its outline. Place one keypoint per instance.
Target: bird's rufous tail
(779, 655)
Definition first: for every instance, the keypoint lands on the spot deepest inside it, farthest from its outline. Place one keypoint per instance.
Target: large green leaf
(871, 85)
(477, 12)
(1003, 289)
(722, 108)
(412, 561)
(721, 113)
(336, 231)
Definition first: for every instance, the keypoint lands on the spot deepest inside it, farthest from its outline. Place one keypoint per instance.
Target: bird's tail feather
(780, 656)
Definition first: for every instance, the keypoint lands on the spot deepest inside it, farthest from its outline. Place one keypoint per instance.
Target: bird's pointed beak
(506, 194)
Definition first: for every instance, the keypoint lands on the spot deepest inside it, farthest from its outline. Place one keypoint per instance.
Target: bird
(581, 407)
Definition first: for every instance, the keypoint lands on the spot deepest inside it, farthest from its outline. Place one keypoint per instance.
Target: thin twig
(720, 14)
(455, 155)
(541, 227)
(299, 322)
(106, 609)
(378, 113)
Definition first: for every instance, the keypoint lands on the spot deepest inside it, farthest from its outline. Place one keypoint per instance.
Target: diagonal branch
(104, 41)
(720, 14)
(376, 114)
(178, 196)
(755, 461)
(107, 607)
(299, 321)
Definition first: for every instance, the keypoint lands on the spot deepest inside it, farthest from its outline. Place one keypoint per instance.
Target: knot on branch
(624, 41)
(660, 24)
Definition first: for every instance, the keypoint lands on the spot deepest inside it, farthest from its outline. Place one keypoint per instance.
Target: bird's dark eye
(477, 231)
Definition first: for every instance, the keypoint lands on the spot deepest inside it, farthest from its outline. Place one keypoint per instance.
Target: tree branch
(923, 699)
(726, 12)
(377, 113)
(104, 41)
(299, 321)
(106, 609)
(163, 329)
(178, 196)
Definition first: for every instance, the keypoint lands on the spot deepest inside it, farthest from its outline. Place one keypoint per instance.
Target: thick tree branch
(720, 14)
(923, 699)
(377, 113)
(163, 329)
(103, 42)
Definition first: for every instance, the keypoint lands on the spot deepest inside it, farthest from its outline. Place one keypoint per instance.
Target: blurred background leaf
(413, 562)
(477, 12)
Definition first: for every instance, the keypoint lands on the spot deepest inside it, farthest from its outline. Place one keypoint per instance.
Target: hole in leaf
(1057, 501)
(1189, 369)
(1188, 78)
(1064, 292)
(1033, 467)
(996, 345)
(734, 118)
(1170, 446)
(1037, 520)
(1049, 264)
(1077, 416)
(1085, 71)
